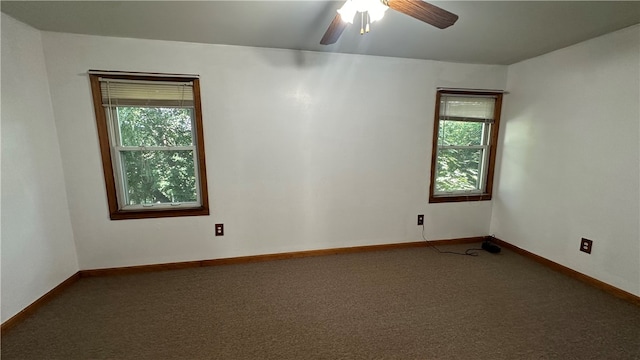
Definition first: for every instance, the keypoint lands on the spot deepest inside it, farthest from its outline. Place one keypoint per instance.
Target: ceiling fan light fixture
(347, 12)
(374, 8)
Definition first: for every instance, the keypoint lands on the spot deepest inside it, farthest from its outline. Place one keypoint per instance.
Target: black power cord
(468, 252)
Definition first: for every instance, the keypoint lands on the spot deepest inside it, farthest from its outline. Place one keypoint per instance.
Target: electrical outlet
(420, 220)
(586, 245)
(219, 229)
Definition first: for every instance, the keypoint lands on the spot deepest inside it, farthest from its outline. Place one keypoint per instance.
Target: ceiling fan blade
(334, 31)
(425, 12)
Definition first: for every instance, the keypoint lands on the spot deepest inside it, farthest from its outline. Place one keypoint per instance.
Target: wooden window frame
(104, 140)
(493, 142)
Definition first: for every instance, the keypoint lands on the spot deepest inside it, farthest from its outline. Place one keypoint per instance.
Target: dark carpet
(397, 304)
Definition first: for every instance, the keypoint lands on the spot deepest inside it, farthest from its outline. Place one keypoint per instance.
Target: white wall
(570, 158)
(304, 150)
(38, 250)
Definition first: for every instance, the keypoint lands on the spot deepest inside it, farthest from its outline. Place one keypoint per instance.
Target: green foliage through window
(161, 176)
(155, 126)
(459, 169)
(157, 175)
(461, 133)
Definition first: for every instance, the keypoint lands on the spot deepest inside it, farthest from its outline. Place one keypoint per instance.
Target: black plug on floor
(489, 246)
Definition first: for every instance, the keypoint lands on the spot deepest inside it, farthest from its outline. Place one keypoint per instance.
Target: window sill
(458, 198)
(158, 213)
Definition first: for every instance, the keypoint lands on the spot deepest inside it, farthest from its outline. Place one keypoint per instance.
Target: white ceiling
(490, 32)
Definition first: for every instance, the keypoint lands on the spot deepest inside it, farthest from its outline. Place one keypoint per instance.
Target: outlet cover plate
(586, 245)
(219, 230)
(420, 220)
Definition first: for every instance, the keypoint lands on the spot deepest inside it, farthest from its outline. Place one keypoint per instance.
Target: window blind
(467, 108)
(145, 93)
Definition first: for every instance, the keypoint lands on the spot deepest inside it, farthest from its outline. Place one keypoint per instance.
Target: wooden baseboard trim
(26, 312)
(139, 269)
(467, 240)
(270, 257)
(572, 273)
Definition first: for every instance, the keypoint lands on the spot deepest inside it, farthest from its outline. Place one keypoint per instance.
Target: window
(464, 145)
(150, 133)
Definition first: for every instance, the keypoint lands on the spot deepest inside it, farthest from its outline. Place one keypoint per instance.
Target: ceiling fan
(372, 10)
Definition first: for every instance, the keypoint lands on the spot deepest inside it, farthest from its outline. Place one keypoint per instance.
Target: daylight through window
(465, 135)
(153, 156)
